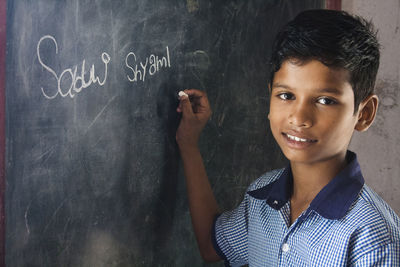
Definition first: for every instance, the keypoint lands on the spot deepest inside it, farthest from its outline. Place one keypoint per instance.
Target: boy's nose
(301, 116)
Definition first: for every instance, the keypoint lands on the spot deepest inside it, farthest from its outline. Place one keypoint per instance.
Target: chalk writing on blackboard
(72, 81)
(151, 65)
(78, 81)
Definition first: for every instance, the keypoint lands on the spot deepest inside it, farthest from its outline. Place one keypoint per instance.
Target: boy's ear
(367, 112)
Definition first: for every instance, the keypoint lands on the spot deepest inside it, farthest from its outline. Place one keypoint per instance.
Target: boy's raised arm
(196, 111)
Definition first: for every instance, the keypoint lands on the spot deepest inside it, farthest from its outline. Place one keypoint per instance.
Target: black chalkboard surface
(93, 175)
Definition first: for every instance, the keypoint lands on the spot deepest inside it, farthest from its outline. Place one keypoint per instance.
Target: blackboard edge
(2, 127)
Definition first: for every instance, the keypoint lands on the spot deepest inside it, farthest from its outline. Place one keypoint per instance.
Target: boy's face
(312, 111)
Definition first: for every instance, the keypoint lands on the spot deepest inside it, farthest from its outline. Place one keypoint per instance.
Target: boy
(317, 211)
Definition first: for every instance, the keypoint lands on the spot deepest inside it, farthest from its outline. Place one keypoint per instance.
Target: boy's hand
(195, 111)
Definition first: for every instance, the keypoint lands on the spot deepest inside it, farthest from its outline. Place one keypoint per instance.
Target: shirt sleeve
(387, 255)
(230, 235)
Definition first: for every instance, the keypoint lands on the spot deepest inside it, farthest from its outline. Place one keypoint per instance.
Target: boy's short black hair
(334, 38)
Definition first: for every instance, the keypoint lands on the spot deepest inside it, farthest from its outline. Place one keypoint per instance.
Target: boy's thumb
(186, 107)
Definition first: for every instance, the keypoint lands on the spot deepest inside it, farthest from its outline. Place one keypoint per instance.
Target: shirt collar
(332, 202)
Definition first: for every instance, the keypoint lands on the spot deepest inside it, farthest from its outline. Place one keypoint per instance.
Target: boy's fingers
(197, 103)
(185, 106)
(194, 92)
(198, 97)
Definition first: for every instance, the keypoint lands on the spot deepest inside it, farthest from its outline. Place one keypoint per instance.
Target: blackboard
(93, 174)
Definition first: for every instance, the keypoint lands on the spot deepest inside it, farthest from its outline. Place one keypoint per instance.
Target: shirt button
(276, 202)
(285, 247)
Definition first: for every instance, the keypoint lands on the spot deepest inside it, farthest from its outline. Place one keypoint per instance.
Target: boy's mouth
(298, 139)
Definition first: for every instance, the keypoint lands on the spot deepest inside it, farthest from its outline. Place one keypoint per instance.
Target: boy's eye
(326, 101)
(286, 96)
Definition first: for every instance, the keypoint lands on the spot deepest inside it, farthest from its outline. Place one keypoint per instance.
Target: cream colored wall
(378, 149)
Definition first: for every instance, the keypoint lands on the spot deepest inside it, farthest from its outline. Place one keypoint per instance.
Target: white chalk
(182, 93)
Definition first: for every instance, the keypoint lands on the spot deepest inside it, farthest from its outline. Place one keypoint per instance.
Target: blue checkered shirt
(347, 224)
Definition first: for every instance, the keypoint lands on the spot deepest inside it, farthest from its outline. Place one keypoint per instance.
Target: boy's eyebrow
(281, 86)
(331, 90)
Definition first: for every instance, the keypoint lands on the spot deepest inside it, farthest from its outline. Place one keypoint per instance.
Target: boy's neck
(309, 179)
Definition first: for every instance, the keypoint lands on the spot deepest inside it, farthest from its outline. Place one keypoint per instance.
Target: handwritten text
(151, 65)
(71, 81)
(78, 81)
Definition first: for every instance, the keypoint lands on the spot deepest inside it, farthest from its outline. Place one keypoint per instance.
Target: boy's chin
(300, 159)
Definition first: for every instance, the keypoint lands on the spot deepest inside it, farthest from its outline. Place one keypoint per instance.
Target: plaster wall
(378, 149)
